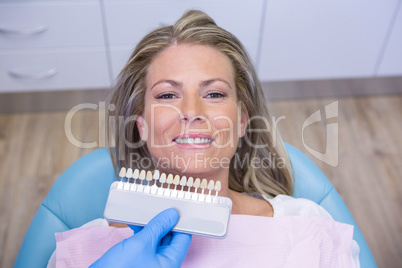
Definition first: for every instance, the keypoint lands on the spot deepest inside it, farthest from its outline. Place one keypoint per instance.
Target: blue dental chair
(79, 196)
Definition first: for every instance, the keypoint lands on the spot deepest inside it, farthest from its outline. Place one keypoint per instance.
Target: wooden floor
(34, 151)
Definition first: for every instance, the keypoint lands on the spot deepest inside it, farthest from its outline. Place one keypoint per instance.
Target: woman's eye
(165, 96)
(216, 95)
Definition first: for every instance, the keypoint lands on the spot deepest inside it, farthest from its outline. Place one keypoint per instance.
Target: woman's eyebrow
(171, 82)
(210, 81)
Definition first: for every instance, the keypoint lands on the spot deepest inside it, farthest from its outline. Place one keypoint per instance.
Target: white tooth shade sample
(169, 179)
(149, 176)
(204, 183)
(142, 175)
(211, 185)
(156, 175)
(136, 174)
(129, 173)
(197, 183)
(162, 178)
(183, 181)
(122, 172)
(190, 182)
(176, 180)
(218, 186)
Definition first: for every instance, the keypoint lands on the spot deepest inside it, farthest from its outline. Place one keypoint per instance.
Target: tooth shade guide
(127, 206)
(170, 191)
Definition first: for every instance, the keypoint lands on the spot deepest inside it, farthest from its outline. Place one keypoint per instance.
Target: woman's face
(192, 119)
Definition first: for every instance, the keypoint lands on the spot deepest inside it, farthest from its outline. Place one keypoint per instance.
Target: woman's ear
(243, 121)
(142, 128)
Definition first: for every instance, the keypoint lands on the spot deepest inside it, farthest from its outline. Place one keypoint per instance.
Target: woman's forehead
(184, 61)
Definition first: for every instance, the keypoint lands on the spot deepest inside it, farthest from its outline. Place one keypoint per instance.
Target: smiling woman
(190, 97)
(194, 111)
(189, 102)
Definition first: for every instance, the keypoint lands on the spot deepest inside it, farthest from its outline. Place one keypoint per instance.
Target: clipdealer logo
(330, 156)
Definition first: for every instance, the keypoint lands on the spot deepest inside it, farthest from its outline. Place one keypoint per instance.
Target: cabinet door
(51, 24)
(127, 22)
(391, 62)
(30, 70)
(316, 39)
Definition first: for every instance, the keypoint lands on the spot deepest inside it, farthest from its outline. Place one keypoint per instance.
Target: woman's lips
(194, 139)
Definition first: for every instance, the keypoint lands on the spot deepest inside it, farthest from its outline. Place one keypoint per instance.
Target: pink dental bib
(290, 241)
(252, 241)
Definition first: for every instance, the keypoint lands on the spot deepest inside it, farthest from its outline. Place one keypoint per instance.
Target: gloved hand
(153, 246)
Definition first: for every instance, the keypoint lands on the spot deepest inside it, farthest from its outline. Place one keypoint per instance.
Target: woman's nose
(192, 109)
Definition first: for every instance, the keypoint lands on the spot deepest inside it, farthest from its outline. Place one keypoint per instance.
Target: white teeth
(192, 140)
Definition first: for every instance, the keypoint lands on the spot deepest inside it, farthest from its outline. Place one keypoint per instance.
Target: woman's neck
(247, 205)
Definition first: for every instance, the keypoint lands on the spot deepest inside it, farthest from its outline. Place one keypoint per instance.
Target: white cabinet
(391, 62)
(83, 44)
(53, 69)
(316, 39)
(127, 22)
(48, 45)
(50, 24)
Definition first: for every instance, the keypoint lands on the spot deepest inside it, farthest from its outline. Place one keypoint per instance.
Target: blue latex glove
(153, 246)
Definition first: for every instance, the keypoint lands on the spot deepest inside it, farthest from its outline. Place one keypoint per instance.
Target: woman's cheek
(162, 120)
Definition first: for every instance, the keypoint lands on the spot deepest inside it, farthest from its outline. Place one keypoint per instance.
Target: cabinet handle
(27, 31)
(37, 76)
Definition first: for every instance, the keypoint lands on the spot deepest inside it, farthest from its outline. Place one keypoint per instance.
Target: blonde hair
(197, 28)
